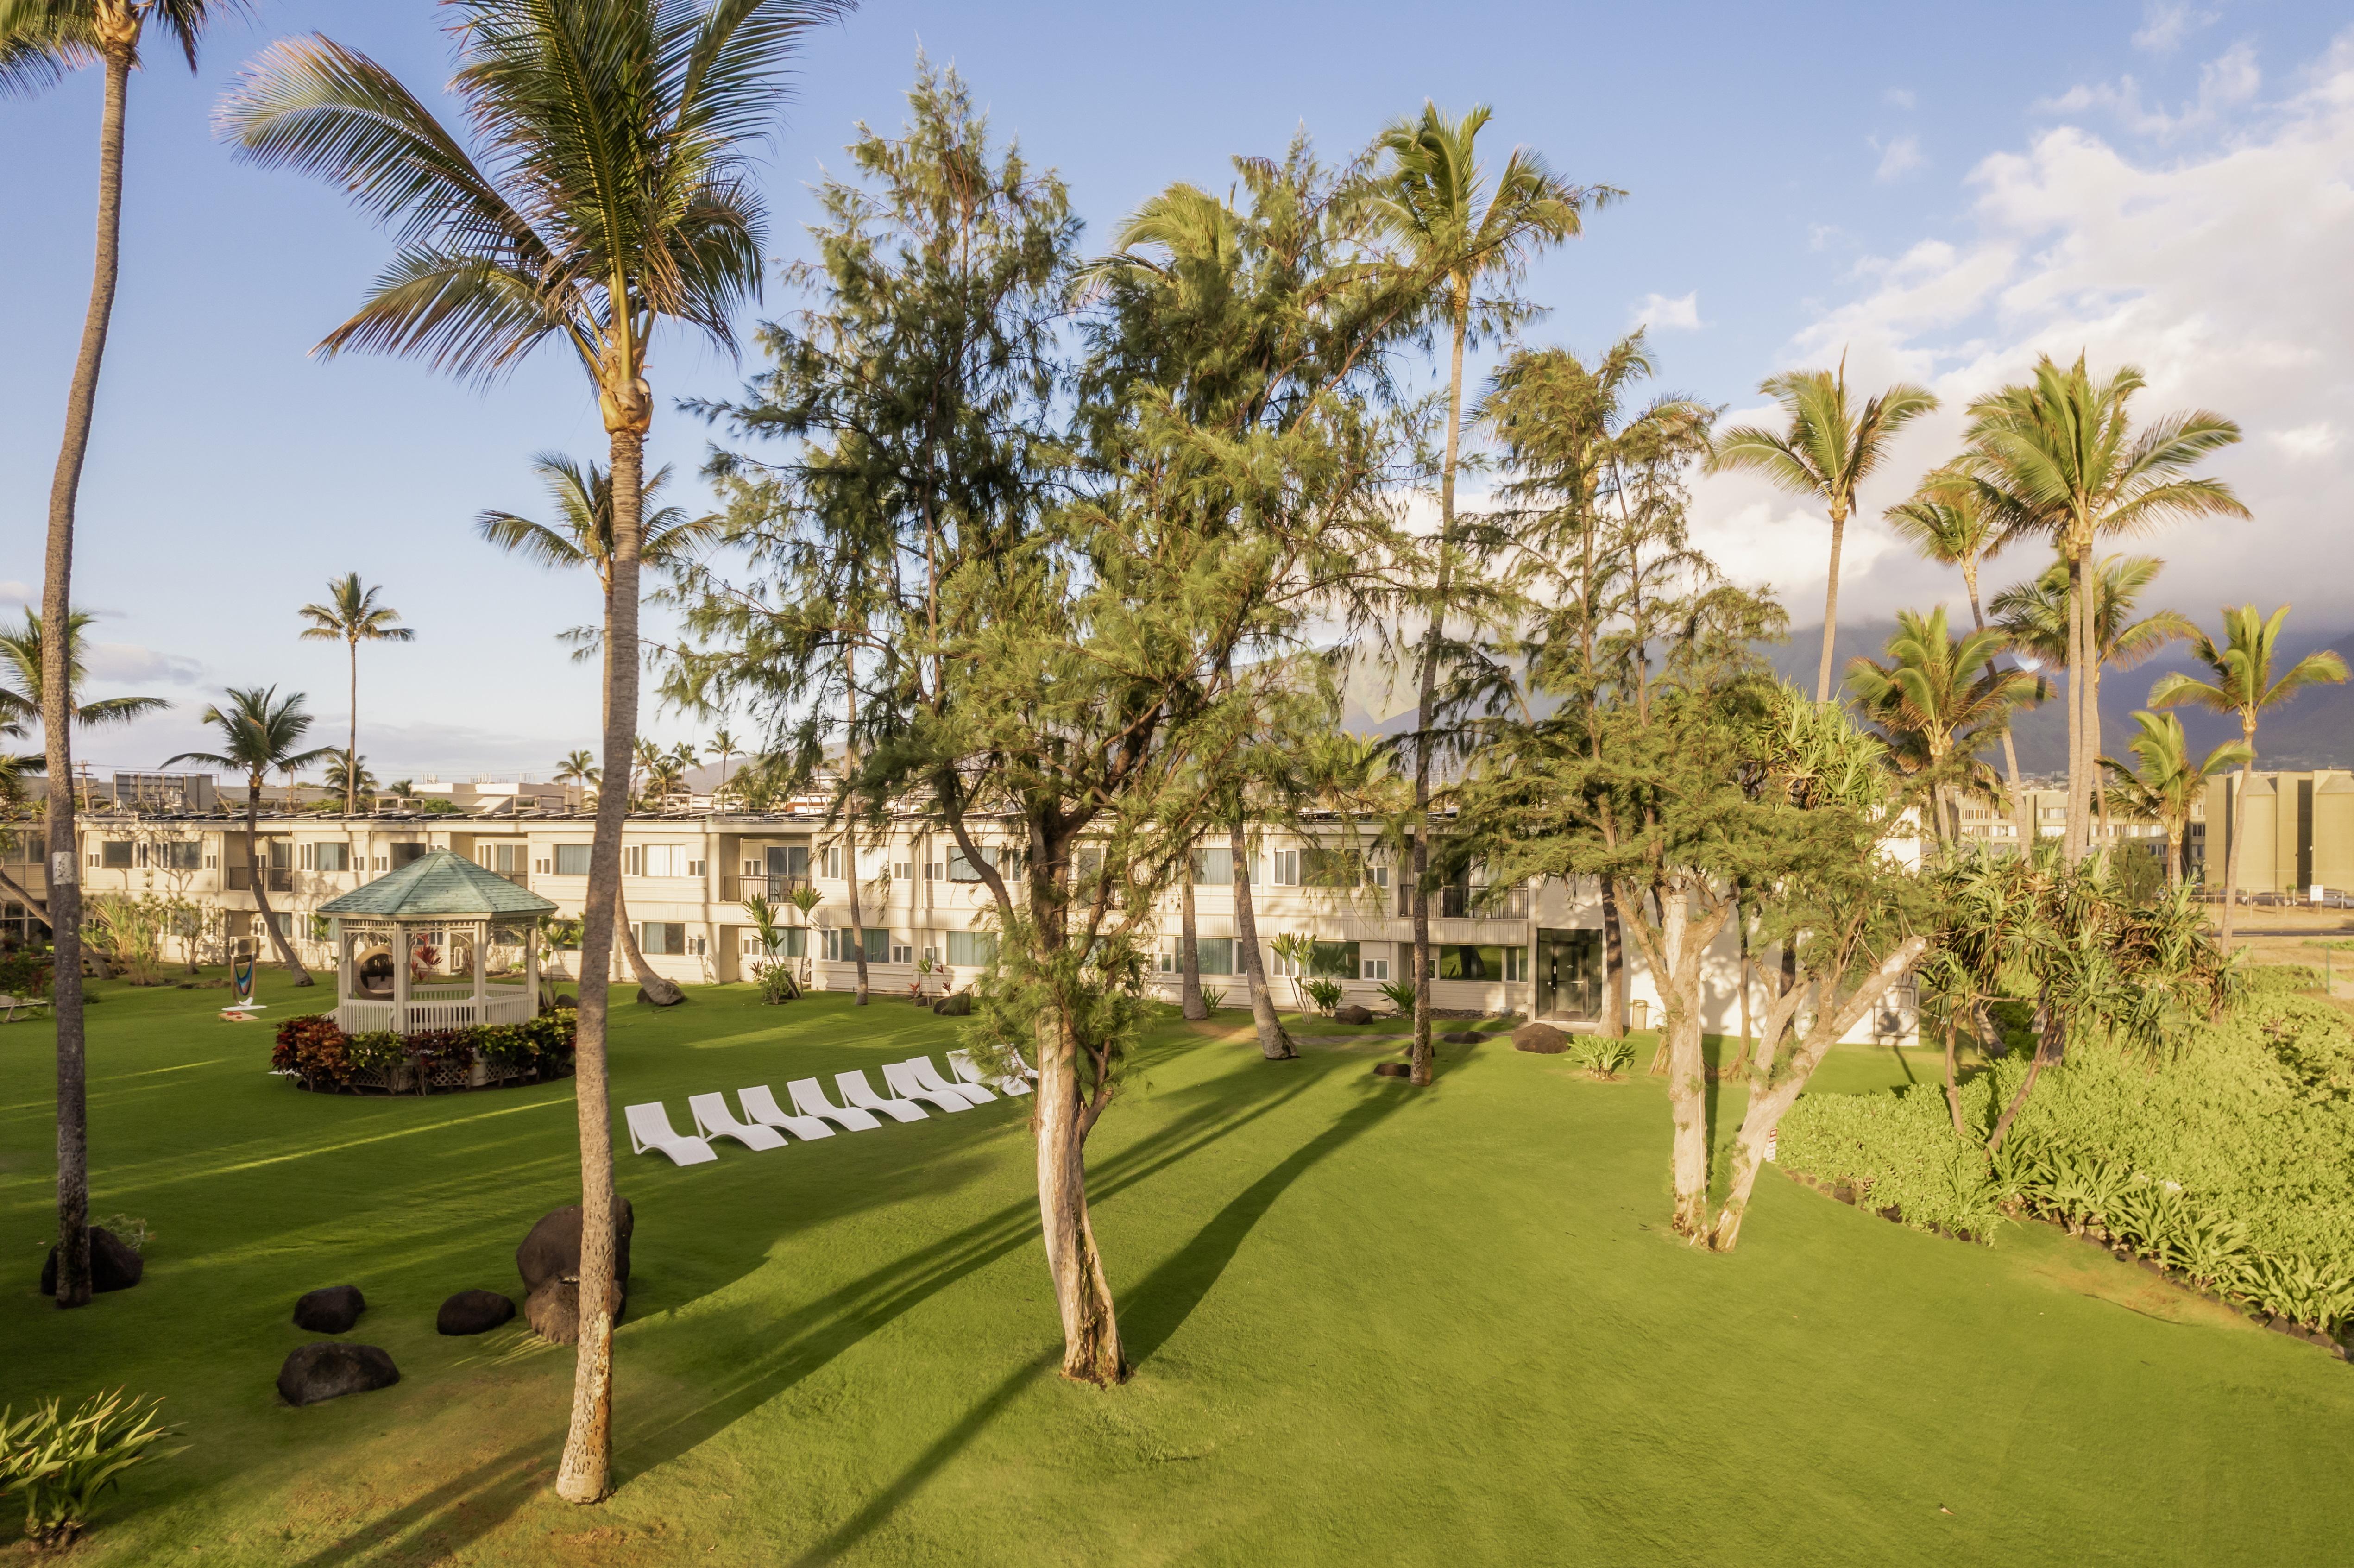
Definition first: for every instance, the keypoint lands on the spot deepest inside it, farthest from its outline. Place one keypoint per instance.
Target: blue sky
(1941, 192)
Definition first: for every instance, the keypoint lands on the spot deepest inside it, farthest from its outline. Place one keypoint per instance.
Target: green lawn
(1371, 1326)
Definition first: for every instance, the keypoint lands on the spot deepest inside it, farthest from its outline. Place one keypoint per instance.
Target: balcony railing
(1471, 904)
(777, 889)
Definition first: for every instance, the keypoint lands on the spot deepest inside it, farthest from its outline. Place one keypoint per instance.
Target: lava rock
(330, 1369)
(473, 1312)
(552, 1251)
(1391, 1070)
(332, 1311)
(554, 1310)
(567, 999)
(956, 1004)
(1541, 1038)
(114, 1263)
(1463, 1037)
(1353, 1013)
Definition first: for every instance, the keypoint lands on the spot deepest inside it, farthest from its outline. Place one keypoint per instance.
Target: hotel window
(829, 863)
(117, 854)
(902, 954)
(663, 938)
(972, 950)
(1212, 956)
(571, 860)
(903, 871)
(326, 857)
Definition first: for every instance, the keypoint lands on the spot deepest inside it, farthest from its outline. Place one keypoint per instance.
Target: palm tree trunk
(2173, 855)
(658, 987)
(2019, 801)
(1418, 1073)
(261, 874)
(1274, 1042)
(1830, 608)
(2072, 845)
(1189, 950)
(849, 838)
(585, 1472)
(2093, 733)
(2239, 832)
(352, 750)
(57, 702)
(1613, 1023)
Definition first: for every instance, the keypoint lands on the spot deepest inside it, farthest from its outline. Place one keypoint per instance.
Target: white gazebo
(417, 949)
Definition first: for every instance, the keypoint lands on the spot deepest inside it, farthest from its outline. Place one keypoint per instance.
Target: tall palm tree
(2056, 455)
(1948, 522)
(23, 662)
(579, 771)
(613, 192)
(351, 616)
(349, 773)
(722, 748)
(260, 734)
(1458, 234)
(582, 533)
(2034, 616)
(2165, 784)
(1825, 453)
(2241, 682)
(1939, 702)
(40, 42)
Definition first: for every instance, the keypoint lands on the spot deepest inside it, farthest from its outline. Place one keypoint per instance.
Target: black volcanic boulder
(554, 1310)
(956, 1004)
(113, 1263)
(330, 1369)
(1541, 1038)
(332, 1311)
(1463, 1037)
(473, 1312)
(1353, 1013)
(552, 1251)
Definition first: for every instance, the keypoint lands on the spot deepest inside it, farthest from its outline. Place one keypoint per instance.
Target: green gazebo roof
(438, 884)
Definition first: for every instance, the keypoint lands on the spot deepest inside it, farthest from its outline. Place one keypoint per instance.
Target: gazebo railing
(424, 1012)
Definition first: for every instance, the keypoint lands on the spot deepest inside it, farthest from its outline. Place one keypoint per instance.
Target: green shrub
(1603, 1057)
(1897, 1150)
(62, 1463)
(24, 974)
(1400, 994)
(1325, 993)
(776, 987)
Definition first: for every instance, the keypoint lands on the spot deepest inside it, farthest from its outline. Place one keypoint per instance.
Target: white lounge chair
(929, 1076)
(902, 1080)
(713, 1119)
(809, 1098)
(763, 1106)
(859, 1092)
(650, 1132)
(1027, 1070)
(968, 1071)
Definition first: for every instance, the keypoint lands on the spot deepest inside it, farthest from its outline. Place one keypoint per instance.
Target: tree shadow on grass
(458, 1512)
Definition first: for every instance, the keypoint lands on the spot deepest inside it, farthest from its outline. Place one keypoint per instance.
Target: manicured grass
(1371, 1326)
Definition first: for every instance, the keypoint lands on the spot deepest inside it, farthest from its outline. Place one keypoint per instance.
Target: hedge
(313, 1047)
(2231, 1164)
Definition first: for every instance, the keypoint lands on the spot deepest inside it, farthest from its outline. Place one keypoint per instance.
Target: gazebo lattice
(439, 916)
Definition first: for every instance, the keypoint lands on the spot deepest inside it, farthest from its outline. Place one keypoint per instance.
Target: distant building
(2299, 828)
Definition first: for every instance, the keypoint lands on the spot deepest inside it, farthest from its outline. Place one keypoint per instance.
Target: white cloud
(2165, 23)
(1898, 159)
(2220, 274)
(2229, 81)
(127, 663)
(1679, 314)
(15, 592)
(1898, 98)
(2313, 441)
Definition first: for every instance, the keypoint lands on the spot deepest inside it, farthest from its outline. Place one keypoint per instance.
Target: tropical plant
(1938, 702)
(1294, 950)
(2056, 456)
(1213, 997)
(62, 1464)
(1605, 1055)
(2164, 784)
(128, 932)
(40, 42)
(721, 748)
(260, 731)
(2241, 682)
(582, 533)
(579, 771)
(348, 776)
(1400, 995)
(1457, 235)
(401, 786)
(351, 615)
(22, 660)
(1948, 520)
(1826, 452)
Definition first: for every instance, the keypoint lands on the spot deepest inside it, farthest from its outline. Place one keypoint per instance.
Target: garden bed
(320, 1058)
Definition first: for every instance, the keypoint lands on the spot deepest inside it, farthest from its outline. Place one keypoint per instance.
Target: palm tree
(2034, 616)
(351, 616)
(22, 659)
(614, 193)
(260, 731)
(582, 535)
(1826, 454)
(1457, 235)
(2056, 455)
(41, 41)
(1939, 702)
(579, 771)
(349, 773)
(1947, 522)
(722, 749)
(401, 786)
(2242, 683)
(2165, 784)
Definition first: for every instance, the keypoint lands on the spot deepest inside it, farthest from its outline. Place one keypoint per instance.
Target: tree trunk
(1764, 1113)
(585, 1472)
(1679, 971)
(1613, 1023)
(351, 749)
(2239, 830)
(1419, 1071)
(57, 698)
(1953, 1088)
(2092, 762)
(849, 837)
(2072, 846)
(2051, 1043)
(2019, 801)
(1275, 1041)
(1189, 951)
(659, 990)
(1830, 607)
(261, 874)
(1741, 921)
(1091, 1347)
(2173, 855)
(17, 891)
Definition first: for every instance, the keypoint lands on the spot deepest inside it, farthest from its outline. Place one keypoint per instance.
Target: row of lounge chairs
(913, 1083)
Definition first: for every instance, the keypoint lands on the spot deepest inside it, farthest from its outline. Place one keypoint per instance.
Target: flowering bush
(315, 1048)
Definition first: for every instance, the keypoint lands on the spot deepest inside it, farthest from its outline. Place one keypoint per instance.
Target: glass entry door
(1569, 975)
